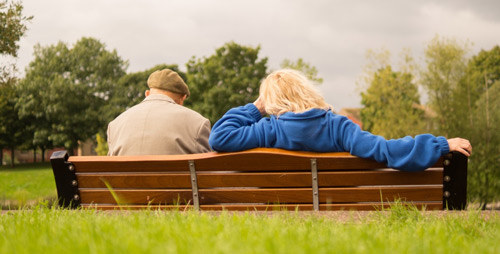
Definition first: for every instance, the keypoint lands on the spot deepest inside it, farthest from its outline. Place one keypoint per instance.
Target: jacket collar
(159, 97)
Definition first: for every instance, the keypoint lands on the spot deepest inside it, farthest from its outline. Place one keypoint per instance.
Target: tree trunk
(71, 150)
(12, 157)
(43, 153)
(1, 156)
(34, 154)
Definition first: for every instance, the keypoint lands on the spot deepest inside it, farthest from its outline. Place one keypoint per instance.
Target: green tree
(306, 68)
(485, 163)
(464, 94)
(12, 26)
(65, 91)
(229, 78)
(391, 105)
(12, 129)
(477, 99)
(446, 65)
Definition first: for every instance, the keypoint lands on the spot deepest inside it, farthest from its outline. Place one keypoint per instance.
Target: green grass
(400, 230)
(26, 185)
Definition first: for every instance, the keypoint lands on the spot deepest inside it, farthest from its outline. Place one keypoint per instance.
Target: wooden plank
(286, 179)
(259, 159)
(135, 180)
(388, 177)
(143, 197)
(129, 166)
(289, 207)
(326, 195)
(377, 194)
(283, 162)
(273, 196)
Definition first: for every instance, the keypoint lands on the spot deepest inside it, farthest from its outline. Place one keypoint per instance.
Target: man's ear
(182, 99)
(147, 92)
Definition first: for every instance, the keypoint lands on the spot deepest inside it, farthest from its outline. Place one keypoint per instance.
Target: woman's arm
(239, 129)
(409, 154)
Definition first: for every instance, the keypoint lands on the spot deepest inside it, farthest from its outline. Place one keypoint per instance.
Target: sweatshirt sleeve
(239, 129)
(407, 154)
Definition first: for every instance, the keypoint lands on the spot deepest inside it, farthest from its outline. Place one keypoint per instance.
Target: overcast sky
(332, 35)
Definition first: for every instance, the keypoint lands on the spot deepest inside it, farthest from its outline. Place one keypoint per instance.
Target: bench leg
(65, 176)
(455, 181)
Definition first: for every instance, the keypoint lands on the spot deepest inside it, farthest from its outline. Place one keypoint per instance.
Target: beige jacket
(158, 125)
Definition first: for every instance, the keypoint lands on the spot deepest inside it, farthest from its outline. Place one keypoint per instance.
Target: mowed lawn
(26, 185)
(45, 230)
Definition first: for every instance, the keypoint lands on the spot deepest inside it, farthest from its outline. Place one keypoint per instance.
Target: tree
(484, 165)
(446, 62)
(478, 98)
(307, 69)
(483, 68)
(65, 91)
(391, 105)
(464, 93)
(229, 78)
(12, 26)
(12, 129)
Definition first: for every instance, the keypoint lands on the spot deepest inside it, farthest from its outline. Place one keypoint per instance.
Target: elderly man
(160, 124)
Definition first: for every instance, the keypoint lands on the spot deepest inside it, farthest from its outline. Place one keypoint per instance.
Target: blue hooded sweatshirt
(318, 130)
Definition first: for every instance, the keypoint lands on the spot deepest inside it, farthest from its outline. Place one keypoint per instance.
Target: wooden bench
(257, 179)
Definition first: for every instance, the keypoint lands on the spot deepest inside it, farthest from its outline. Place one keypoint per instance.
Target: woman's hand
(460, 145)
(259, 103)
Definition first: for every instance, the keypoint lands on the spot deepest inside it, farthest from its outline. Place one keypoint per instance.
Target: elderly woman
(301, 120)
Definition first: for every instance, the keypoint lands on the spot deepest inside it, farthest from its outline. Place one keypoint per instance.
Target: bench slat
(285, 195)
(292, 179)
(259, 159)
(290, 207)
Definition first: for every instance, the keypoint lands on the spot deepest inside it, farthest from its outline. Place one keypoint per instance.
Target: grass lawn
(399, 230)
(45, 230)
(26, 184)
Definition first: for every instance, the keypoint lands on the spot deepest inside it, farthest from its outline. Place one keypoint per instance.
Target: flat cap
(168, 80)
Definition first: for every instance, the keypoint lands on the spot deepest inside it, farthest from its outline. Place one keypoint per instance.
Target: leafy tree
(465, 98)
(483, 69)
(477, 97)
(446, 64)
(307, 69)
(484, 164)
(229, 78)
(391, 105)
(12, 26)
(12, 129)
(65, 91)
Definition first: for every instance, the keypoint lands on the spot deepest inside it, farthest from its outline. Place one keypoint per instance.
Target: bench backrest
(257, 179)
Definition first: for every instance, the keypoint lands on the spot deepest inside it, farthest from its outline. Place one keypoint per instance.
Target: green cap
(168, 80)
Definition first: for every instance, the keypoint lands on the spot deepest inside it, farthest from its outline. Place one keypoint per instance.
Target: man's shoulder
(160, 108)
(191, 113)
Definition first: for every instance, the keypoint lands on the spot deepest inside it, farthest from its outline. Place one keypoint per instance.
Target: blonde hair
(290, 91)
